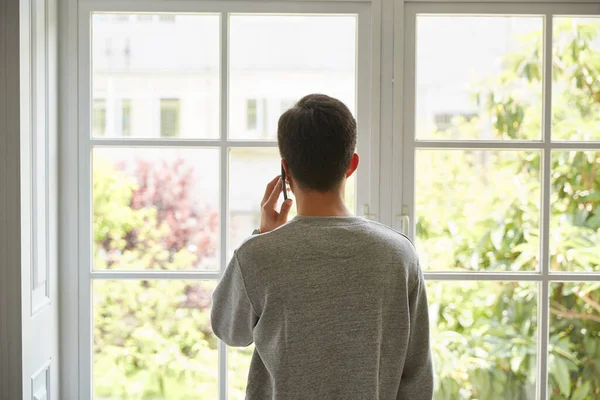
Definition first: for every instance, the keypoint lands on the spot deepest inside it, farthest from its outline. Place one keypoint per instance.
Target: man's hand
(269, 217)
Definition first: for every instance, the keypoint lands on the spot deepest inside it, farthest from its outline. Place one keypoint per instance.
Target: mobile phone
(285, 196)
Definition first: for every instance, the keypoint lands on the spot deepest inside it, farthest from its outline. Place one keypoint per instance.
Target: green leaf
(581, 392)
(561, 375)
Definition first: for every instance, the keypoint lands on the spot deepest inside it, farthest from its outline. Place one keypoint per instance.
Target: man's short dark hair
(317, 138)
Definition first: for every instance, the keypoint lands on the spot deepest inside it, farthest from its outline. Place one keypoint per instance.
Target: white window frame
(387, 150)
(404, 149)
(76, 235)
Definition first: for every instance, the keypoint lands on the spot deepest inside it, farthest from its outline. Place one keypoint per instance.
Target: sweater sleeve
(417, 376)
(232, 315)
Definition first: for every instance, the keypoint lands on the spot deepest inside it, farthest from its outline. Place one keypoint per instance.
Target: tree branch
(595, 95)
(590, 301)
(574, 315)
(558, 305)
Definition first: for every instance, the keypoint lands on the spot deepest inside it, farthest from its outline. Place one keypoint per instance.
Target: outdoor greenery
(480, 211)
(477, 211)
(152, 339)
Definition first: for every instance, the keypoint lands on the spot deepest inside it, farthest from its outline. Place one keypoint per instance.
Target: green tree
(152, 338)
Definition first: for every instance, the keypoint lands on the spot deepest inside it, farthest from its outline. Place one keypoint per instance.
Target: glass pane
(478, 77)
(277, 59)
(575, 211)
(238, 363)
(574, 360)
(247, 187)
(478, 210)
(484, 339)
(155, 209)
(153, 340)
(148, 59)
(576, 73)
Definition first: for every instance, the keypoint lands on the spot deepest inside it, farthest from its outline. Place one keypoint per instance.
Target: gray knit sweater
(336, 307)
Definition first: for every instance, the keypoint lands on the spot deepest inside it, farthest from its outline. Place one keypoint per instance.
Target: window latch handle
(404, 220)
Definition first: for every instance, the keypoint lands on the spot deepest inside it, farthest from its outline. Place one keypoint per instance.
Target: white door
(39, 200)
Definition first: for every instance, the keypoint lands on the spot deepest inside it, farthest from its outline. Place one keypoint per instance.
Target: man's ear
(288, 177)
(353, 165)
(285, 168)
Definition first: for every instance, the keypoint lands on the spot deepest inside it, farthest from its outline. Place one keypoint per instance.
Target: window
(251, 115)
(126, 117)
(166, 18)
(444, 121)
(130, 70)
(257, 121)
(165, 211)
(505, 197)
(305, 64)
(484, 151)
(169, 117)
(99, 117)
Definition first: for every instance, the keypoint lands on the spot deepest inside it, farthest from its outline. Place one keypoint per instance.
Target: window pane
(478, 77)
(167, 65)
(575, 211)
(153, 340)
(484, 339)
(247, 187)
(155, 209)
(275, 58)
(574, 360)
(478, 210)
(576, 85)
(238, 363)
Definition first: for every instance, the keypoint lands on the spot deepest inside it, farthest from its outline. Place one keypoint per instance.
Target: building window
(169, 117)
(122, 17)
(251, 114)
(126, 117)
(166, 18)
(99, 117)
(257, 116)
(444, 121)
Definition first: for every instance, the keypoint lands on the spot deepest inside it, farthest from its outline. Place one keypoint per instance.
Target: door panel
(39, 160)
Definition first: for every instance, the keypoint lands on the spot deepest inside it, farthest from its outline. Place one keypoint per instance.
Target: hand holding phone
(270, 217)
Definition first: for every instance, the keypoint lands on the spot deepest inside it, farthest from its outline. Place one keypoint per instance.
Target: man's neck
(318, 204)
